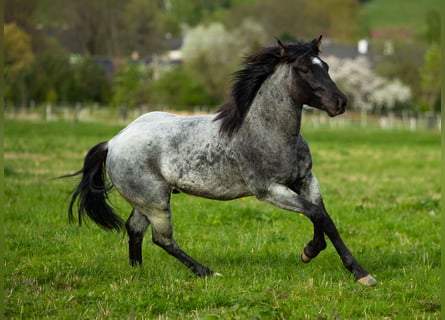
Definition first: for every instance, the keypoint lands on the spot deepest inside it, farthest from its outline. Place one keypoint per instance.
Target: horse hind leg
(162, 234)
(136, 226)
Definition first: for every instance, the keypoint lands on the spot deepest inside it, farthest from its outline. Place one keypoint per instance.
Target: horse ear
(283, 48)
(317, 42)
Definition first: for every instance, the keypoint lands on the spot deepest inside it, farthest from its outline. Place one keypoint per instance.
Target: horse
(251, 146)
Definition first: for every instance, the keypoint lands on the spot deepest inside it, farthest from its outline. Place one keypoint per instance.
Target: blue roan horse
(251, 146)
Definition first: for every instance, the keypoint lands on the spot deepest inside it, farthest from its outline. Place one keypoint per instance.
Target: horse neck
(273, 111)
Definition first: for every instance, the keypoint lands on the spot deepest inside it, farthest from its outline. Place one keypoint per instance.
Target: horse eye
(301, 68)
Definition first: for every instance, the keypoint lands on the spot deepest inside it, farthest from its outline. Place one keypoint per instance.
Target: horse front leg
(285, 198)
(361, 275)
(315, 246)
(309, 189)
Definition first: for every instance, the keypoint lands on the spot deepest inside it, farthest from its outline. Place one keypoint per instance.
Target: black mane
(247, 81)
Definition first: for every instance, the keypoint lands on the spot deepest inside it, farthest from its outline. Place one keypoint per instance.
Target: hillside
(398, 15)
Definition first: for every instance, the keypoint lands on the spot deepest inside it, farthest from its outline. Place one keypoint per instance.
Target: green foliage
(403, 64)
(433, 26)
(18, 57)
(192, 12)
(146, 27)
(53, 79)
(17, 49)
(130, 84)
(383, 196)
(89, 82)
(180, 88)
(431, 76)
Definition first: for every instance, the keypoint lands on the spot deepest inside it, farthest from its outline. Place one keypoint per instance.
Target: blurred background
(73, 59)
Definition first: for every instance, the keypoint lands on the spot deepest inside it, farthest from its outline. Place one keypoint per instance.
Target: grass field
(382, 189)
(406, 14)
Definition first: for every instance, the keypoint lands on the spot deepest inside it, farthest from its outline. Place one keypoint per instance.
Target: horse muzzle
(338, 108)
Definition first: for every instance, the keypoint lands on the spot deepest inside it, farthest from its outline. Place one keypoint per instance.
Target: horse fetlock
(307, 255)
(310, 251)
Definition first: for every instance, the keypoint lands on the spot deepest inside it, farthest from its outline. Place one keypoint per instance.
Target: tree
(286, 19)
(181, 89)
(431, 78)
(130, 85)
(89, 83)
(433, 29)
(431, 70)
(193, 12)
(366, 90)
(20, 12)
(213, 52)
(116, 28)
(91, 27)
(18, 57)
(146, 27)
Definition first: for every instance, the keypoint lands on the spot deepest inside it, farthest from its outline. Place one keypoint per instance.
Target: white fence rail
(311, 117)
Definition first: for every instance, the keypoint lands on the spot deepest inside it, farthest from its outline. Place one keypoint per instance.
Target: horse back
(184, 153)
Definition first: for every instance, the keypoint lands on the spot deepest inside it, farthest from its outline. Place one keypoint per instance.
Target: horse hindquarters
(135, 173)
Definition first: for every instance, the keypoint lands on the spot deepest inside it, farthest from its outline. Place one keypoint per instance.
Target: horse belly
(219, 187)
(210, 178)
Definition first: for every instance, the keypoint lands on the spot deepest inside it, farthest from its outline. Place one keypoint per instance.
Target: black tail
(92, 192)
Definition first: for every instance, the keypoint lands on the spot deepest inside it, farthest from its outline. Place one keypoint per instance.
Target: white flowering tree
(221, 44)
(367, 90)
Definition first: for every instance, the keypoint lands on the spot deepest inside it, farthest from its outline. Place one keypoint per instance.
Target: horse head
(310, 82)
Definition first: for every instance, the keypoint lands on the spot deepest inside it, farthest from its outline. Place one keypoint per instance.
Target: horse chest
(268, 161)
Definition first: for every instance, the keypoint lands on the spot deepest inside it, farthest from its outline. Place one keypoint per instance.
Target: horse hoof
(305, 258)
(367, 281)
(217, 274)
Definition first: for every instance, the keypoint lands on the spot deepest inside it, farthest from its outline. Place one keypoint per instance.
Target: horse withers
(251, 146)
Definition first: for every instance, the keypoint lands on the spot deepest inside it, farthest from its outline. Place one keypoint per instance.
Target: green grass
(382, 189)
